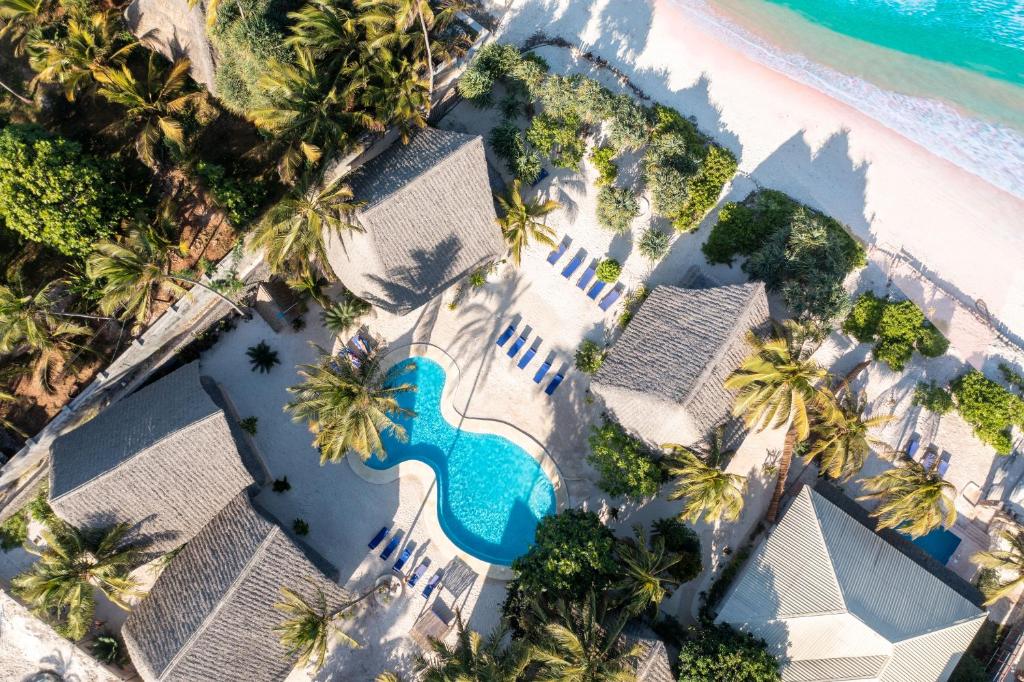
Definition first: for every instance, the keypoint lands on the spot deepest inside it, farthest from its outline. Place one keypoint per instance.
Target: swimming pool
(940, 543)
(490, 492)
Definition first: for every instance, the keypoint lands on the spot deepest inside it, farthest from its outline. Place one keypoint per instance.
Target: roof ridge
(831, 563)
(956, 623)
(232, 588)
(108, 472)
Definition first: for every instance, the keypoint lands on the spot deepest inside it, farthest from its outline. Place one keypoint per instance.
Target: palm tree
(71, 565)
(584, 646)
(841, 438)
(153, 105)
(309, 626)
(5, 423)
(646, 572)
(262, 357)
(401, 15)
(23, 20)
(342, 315)
(395, 92)
(701, 483)
(291, 234)
(1004, 561)
(778, 384)
(474, 658)
(349, 407)
(325, 27)
(912, 498)
(522, 220)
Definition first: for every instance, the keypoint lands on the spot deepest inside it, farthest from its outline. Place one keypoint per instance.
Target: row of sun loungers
(530, 353)
(588, 275)
(413, 577)
(930, 453)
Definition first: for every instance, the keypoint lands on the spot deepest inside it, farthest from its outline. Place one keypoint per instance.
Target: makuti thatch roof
(211, 615)
(163, 458)
(663, 378)
(652, 663)
(428, 221)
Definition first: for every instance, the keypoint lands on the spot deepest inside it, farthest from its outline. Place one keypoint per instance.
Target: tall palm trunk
(26, 100)
(780, 483)
(212, 291)
(430, 59)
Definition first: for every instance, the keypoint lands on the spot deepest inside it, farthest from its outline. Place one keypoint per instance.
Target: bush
(626, 466)
(1011, 377)
(653, 244)
(560, 139)
(247, 34)
(718, 653)
(39, 509)
(629, 127)
(933, 397)
(898, 327)
(53, 193)
(703, 190)
(991, 409)
(744, 228)
(682, 540)
(14, 531)
(632, 303)
(608, 270)
(589, 357)
(969, 669)
(281, 485)
(477, 85)
(108, 649)
(606, 168)
(571, 554)
(616, 208)
(497, 60)
(241, 200)
(930, 341)
(300, 527)
(510, 147)
(667, 165)
(863, 320)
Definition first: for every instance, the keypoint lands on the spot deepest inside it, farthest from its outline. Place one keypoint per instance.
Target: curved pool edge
(459, 420)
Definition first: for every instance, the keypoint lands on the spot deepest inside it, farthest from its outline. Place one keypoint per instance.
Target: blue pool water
(490, 492)
(939, 543)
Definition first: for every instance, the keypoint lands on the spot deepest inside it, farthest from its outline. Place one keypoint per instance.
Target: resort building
(165, 459)
(211, 615)
(427, 220)
(834, 600)
(663, 378)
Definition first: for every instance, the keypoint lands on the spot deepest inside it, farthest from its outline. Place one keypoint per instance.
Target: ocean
(948, 74)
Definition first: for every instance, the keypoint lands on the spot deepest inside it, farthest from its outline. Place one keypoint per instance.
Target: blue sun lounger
(609, 298)
(585, 278)
(554, 383)
(418, 573)
(541, 372)
(527, 356)
(557, 252)
(434, 580)
(390, 548)
(381, 534)
(506, 335)
(514, 348)
(573, 265)
(400, 564)
(595, 290)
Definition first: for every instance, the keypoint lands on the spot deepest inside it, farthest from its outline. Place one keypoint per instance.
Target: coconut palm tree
(701, 483)
(291, 234)
(395, 92)
(153, 104)
(5, 423)
(342, 315)
(398, 16)
(71, 565)
(22, 20)
(646, 572)
(1007, 562)
(474, 658)
(584, 646)
(777, 384)
(349, 407)
(841, 439)
(262, 357)
(912, 498)
(309, 626)
(522, 220)
(327, 28)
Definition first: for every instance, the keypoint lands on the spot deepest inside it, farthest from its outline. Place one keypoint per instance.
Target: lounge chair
(527, 356)
(514, 348)
(912, 445)
(541, 372)
(418, 573)
(400, 564)
(555, 383)
(944, 463)
(573, 265)
(609, 298)
(557, 252)
(595, 290)
(390, 548)
(381, 534)
(543, 174)
(360, 344)
(585, 278)
(432, 583)
(506, 335)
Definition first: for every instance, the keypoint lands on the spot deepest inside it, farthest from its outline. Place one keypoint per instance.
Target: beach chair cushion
(595, 290)
(527, 356)
(573, 264)
(610, 298)
(588, 275)
(506, 335)
(541, 371)
(555, 383)
(514, 348)
(381, 534)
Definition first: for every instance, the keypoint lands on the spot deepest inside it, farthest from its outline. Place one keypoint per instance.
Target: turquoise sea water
(490, 492)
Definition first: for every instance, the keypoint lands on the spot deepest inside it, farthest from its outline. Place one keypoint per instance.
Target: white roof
(837, 602)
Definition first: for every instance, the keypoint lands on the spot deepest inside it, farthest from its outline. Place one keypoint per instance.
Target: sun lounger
(912, 445)
(556, 253)
(595, 290)
(585, 278)
(609, 298)
(506, 335)
(400, 564)
(360, 344)
(540, 178)
(573, 265)
(555, 383)
(432, 583)
(418, 573)
(381, 534)
(944, 463)
(541, 372)
(514, 348)
(390, 548)
(527, 356)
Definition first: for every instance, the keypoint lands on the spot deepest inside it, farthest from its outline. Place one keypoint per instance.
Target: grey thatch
(652, 664)
(211, 615)
(427, 222)
(663, 379)
(163, 458)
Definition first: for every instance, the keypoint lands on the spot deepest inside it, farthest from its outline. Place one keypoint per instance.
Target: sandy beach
(891, 192)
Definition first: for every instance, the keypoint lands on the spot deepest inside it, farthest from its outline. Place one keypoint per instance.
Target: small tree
(589, 357)
(341, 316)
(607, 171)
(626, 466)
(616, 208)
(653, 244)
(608, 270)
(718, 653)
(572, 553)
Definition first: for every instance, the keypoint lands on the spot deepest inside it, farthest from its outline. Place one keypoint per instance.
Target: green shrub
(743, 228)
(898, 327)
(53, 193)
(529, 73)
(653, 244)
(477, 86)
(632, 303)
(933, 397)
(864, 318)
(626, 466)
(497, 60)
(108, 649)
(560, 139)
(281, 485)
(667, 165)
(682, 540)
(14, 531)
(571, 554)
(608, 270)
(300, 527)
(969, 669)
(249, 425)
(607, 170)
(510, 147)
(39, 509)
(629, 127)
(988, 407)
(718, 653)
(704, 188)
(589, 357)
(616, 208)
(247, 34)
(1011, 377)
(930, 341)
(240, 199)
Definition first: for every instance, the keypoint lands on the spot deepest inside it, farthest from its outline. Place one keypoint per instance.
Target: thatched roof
(663, 378)
(211, 614)
(163, 458)
(428, 221)
(652, 664)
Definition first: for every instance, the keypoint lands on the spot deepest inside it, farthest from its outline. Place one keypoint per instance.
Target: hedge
(988, 407)
(898, 327)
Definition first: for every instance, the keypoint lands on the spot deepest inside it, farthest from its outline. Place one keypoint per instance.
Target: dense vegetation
(933, 397)
(626, 465)
(989, 407)
(721, 654)
(896, 327)
(589, 356)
